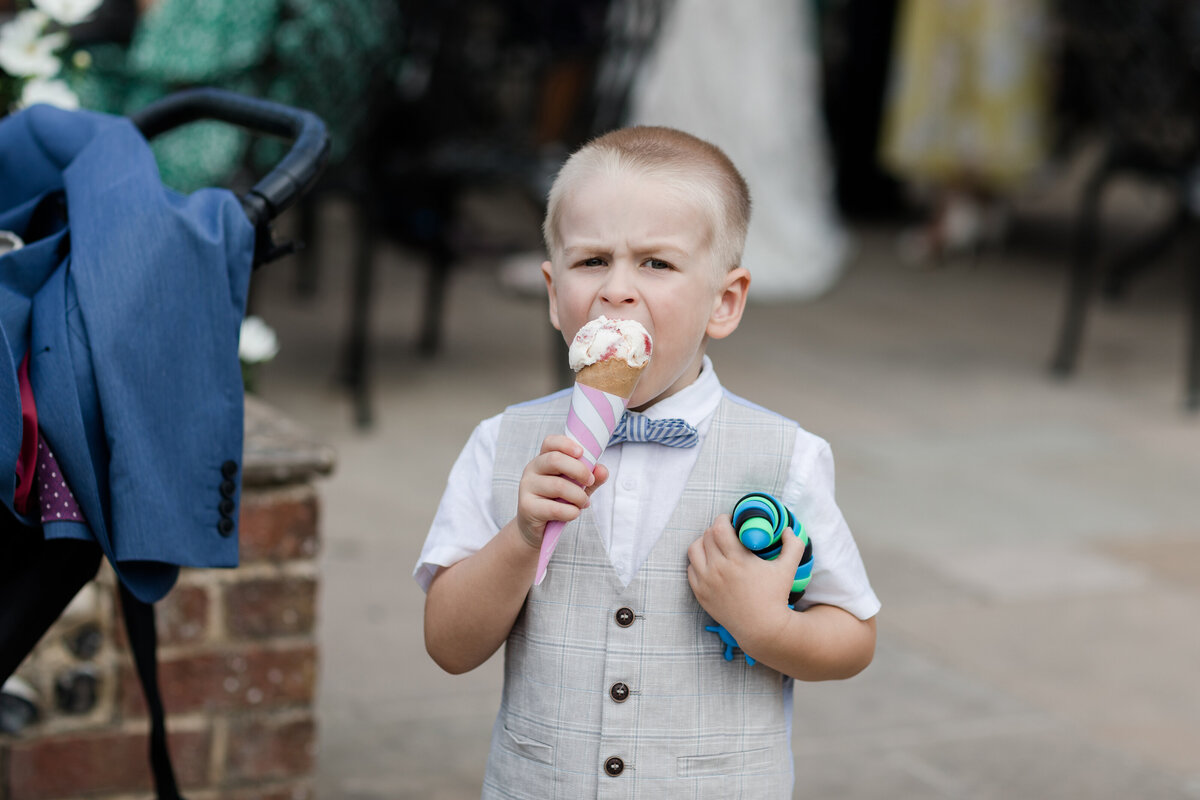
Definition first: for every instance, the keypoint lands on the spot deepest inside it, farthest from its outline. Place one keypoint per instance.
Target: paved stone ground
(1035, 543)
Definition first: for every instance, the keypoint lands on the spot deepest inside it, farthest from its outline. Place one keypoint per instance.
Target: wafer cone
(614, 376)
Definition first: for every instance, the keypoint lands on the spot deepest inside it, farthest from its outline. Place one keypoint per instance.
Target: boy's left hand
(739, 590)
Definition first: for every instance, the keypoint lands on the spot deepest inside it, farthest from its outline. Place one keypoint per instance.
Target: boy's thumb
(792, 551)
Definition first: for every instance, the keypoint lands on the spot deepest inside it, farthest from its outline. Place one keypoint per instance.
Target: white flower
(257, 342)
(50, 92)
(24, 52)
(68, 12)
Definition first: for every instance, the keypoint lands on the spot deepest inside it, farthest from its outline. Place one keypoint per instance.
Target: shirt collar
(695, 403)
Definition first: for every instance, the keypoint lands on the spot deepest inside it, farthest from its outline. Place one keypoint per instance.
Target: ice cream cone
(613, 376)
(604, 382)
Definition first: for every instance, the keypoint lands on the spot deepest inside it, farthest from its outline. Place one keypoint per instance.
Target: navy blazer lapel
(35, 145)
(60, 416)
(35, 213)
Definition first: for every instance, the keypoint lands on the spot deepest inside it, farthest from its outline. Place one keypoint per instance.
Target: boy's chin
(636, 404)
(645, 395)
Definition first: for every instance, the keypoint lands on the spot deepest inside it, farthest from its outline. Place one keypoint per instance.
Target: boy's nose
(618, 287)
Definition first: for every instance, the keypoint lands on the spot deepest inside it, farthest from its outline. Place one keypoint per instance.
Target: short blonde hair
(699, 171)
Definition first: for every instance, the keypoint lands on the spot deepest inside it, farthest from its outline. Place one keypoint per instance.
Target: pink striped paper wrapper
(591, 419)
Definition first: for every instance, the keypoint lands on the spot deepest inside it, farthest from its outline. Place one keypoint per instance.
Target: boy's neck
(680, 385)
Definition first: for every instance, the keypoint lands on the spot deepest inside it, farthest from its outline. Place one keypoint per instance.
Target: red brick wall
(238, 665)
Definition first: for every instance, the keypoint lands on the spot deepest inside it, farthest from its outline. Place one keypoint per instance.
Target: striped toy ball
(760, 520)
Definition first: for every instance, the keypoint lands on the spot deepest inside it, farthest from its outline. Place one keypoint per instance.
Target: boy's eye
(656, 263)
(593, 262)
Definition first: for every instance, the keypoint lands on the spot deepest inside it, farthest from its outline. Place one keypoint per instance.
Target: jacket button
(229, 469)
(226, 507)
(619, 692)
(614, 766)
(624, 617)
(228, 488)
(225, 526)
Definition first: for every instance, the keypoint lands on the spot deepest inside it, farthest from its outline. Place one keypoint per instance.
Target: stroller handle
(290, 178)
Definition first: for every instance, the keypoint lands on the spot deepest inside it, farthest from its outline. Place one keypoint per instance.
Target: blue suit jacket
(129, 305)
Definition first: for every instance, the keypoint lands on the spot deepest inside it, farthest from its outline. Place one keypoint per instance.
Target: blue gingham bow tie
(639, 428)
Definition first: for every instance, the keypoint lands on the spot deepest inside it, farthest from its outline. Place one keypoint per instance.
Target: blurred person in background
(745, 76)
(321, 55)
(966, 115)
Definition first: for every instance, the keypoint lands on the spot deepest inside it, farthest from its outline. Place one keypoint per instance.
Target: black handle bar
(290, 178)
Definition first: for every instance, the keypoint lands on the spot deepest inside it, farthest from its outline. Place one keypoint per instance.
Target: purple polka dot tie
(54, 496)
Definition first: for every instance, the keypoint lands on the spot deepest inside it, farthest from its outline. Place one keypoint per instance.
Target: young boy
(612, 685)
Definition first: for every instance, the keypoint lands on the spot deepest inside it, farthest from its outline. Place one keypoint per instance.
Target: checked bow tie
(669, 432)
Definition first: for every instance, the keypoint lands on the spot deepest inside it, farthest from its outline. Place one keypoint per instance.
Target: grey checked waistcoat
(619, 692)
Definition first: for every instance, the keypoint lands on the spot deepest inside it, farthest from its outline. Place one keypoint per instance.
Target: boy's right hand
(556, 484)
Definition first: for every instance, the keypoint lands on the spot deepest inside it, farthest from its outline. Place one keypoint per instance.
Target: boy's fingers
(559, 488)
(600, 474)
(558, 463)
(562, 443)
(554, 487)
(725, 537)
(545, 510)
(696, 555)
(793, 549)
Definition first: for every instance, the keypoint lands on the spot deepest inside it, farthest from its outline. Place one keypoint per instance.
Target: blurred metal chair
(448, 112)
(1141, 66)
(483, 97)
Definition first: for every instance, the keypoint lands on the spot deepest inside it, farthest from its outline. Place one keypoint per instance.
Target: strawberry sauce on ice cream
(604, 339)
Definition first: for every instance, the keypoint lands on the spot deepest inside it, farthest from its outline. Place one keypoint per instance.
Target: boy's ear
(548, 274)
(730, 304)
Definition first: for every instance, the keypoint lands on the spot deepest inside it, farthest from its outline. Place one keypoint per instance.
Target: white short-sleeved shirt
(645, 483)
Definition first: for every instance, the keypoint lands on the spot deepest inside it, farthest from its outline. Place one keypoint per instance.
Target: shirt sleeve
(839, 577)
(463, 523)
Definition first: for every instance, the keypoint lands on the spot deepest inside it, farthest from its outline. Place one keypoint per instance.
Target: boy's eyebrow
(583, 248)
(642, 248)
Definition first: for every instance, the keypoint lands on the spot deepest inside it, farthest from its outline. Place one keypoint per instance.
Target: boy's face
(631, 249)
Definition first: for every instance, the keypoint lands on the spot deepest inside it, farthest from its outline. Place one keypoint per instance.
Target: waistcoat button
(624, 617)
(614, 766)
(619, 692)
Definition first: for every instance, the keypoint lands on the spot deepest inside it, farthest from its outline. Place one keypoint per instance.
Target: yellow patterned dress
(968, 97)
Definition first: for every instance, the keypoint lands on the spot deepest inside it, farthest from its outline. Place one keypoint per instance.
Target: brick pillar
(238, 659)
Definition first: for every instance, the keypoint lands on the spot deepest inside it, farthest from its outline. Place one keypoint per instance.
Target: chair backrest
(480, 79)
(1141, 68)
(630, 31)
(469, 69)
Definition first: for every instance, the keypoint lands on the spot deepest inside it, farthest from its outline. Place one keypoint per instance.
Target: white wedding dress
(745, 76)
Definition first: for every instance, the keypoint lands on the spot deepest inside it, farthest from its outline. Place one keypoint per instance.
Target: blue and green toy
(760, 521)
